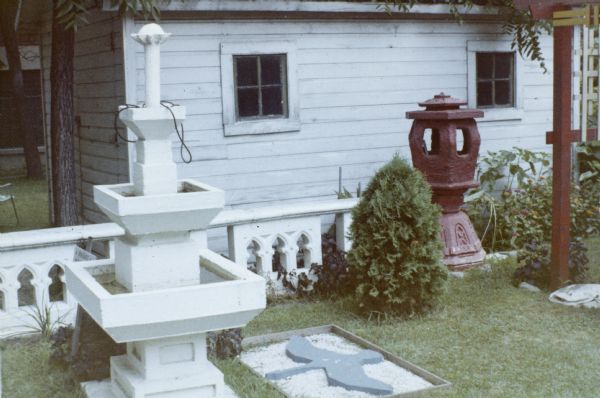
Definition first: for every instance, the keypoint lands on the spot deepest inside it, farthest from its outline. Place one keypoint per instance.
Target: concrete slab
(101, 389)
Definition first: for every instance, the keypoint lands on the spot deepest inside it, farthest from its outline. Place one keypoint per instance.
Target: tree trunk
(27, 135)
(62, 134)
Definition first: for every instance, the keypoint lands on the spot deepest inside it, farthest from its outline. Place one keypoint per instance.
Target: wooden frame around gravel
(436, 381)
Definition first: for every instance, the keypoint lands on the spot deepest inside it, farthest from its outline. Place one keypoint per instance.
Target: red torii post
(562, 135)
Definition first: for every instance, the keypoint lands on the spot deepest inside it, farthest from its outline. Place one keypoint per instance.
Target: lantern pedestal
(449, 168)
(462, 248)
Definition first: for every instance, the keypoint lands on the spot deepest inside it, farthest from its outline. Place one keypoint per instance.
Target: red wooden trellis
(562, 135)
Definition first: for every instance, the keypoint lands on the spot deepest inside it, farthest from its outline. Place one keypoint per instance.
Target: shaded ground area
(593, 246)
(31, 199)
(488, 338)
(27, 373)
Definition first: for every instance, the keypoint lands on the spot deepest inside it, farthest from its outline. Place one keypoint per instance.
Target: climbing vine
(73, 13)
(520, 24)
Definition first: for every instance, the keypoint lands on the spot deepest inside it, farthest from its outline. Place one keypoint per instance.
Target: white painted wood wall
(356, 81)
(99, 90)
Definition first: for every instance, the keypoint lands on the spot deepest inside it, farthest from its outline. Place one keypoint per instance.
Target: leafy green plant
(492, 207)
(225, 344)
(395, 260)
(529, 212)
(295, 282)
(332, 275)
(343, 193)
(43, 320)
(73, 13)
(512, 209)
(534, 260)
(513, 205)
(588, 158)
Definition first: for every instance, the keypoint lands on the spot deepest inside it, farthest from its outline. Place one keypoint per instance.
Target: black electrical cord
(180, 134)
(116, 126)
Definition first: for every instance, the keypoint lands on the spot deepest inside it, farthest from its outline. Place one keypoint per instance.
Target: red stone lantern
(450, 171)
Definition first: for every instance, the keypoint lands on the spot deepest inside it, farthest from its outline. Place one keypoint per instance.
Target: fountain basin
(228, 297)
(192, 208)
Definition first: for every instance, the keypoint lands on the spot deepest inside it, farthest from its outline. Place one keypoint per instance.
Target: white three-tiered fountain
(164, 290)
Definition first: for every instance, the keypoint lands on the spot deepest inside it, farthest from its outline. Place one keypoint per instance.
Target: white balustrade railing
(293, 232)
(31, 273)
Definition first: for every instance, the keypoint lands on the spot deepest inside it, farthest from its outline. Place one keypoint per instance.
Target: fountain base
(103, 389)
(173, 367)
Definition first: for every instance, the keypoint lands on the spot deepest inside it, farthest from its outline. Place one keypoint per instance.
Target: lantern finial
(442, 101)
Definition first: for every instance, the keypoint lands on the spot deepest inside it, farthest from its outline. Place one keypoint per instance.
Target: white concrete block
(155, 178)
(200, 238)
(169, 357)
(103, 389)
(156, 264)
(127, 382)
(154, 151)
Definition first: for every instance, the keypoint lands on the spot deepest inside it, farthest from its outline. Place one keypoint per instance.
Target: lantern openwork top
(444, 107)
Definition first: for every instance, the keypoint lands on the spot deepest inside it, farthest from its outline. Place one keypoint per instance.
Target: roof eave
(302, 9)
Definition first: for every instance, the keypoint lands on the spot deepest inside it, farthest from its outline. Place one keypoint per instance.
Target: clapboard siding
(356, 82)
(99, 90)
(357, 79)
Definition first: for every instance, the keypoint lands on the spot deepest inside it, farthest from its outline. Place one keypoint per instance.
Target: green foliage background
(512, 210)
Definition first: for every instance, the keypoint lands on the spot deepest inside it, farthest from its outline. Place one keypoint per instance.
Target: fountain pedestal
(154, 367)
(163, 292)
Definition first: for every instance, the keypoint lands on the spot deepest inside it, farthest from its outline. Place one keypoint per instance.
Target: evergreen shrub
(395, 260)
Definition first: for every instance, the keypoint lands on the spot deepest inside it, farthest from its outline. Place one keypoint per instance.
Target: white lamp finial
(151, 36)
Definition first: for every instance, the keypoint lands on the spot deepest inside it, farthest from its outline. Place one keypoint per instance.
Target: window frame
(493, 79)
(503, 113)
(260, 86)
(258, 125)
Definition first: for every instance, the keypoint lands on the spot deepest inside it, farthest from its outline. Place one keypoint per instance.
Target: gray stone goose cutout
(342, 370)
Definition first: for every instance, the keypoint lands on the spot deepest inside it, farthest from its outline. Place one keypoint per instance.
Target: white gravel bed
(313, 384)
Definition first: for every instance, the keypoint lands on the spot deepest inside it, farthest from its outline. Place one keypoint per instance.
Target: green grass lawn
(31, 199)
(26, 372)
(486, 337)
